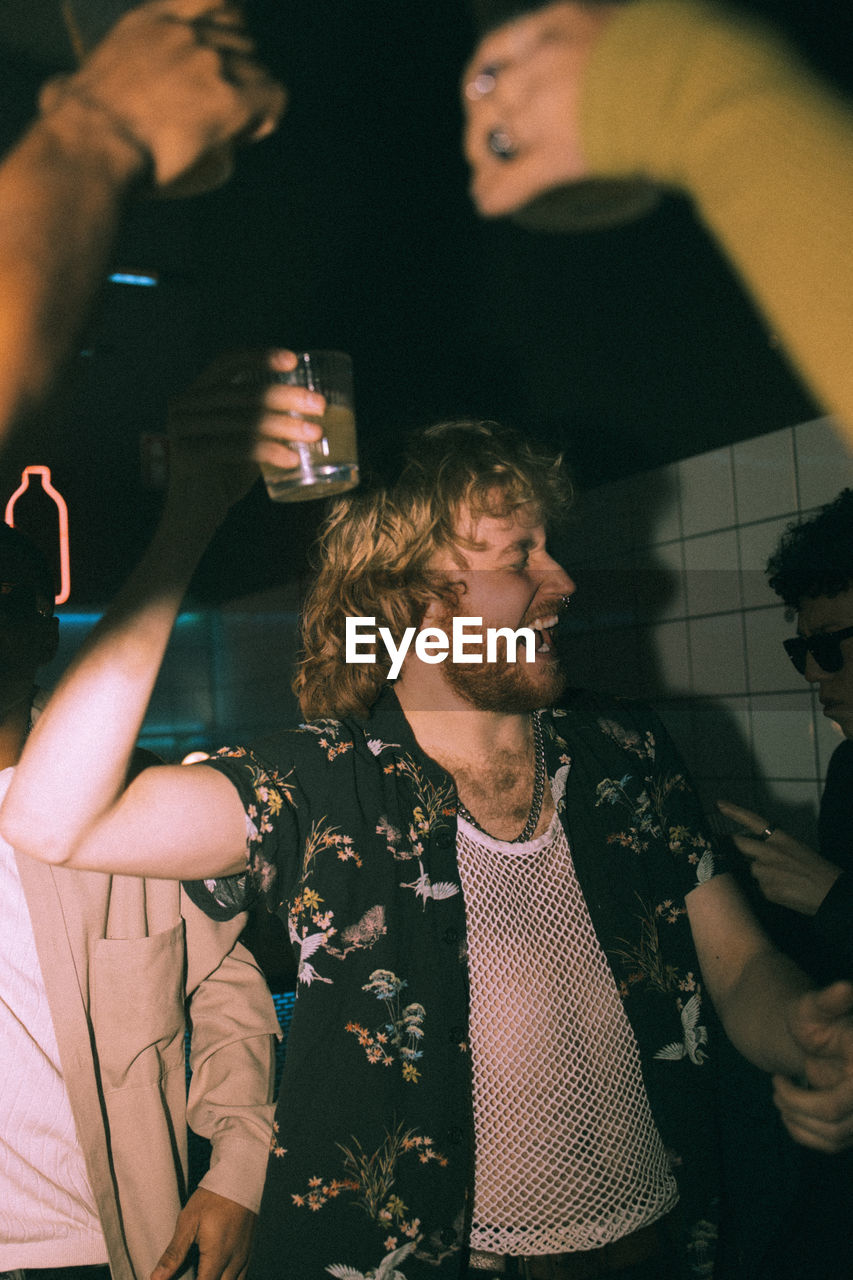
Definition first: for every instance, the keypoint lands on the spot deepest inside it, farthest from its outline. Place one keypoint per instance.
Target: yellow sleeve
(707, 102)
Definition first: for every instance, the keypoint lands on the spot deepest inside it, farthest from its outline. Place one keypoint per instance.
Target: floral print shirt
(352, 836)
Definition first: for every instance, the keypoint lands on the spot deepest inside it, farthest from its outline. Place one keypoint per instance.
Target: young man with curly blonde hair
(513, 935)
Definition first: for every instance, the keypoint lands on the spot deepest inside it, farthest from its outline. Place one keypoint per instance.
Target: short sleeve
(267, 802)
(658, 797)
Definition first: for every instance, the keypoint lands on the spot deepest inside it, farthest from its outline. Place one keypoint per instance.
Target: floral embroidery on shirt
(330, 737)
(432, 803)
(642, 745)
(701, 1248)
(370, 1176)
(275, 1146)
(645, 954)
(402, 1034)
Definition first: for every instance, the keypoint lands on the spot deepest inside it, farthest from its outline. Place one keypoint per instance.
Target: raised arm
(68, 802)
(694, 97)
(172, 82)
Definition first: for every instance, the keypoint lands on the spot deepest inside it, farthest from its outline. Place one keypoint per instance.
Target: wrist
(191, 515)
(87, 129)
(822, 882)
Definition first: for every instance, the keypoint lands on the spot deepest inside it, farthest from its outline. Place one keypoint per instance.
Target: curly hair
(815, 558)
(374, 550)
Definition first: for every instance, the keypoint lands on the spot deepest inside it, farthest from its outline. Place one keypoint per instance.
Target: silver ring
(483, 83)
(501, 144)
(765, 834)
(565, 601)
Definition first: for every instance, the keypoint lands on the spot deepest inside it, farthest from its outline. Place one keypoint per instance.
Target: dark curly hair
(815, 558)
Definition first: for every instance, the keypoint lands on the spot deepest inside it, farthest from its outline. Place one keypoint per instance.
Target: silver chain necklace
(539, 775)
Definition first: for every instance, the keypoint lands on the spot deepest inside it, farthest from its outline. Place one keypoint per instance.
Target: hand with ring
(787, 871)
(172, 83)
(521, 94)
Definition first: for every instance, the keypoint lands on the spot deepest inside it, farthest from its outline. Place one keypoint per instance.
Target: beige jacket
(118, 955)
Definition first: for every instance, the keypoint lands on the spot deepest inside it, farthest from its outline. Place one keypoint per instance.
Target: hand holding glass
(329, 465)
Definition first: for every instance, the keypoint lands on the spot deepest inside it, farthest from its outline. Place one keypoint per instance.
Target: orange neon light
(62, 511)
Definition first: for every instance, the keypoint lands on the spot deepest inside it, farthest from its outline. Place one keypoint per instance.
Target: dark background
(352, 227)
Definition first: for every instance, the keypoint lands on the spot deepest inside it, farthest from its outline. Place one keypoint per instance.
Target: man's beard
(511, 688)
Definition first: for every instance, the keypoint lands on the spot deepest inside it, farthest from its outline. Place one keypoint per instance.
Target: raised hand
(233, 417)
(521, 92)
(787, 871)
(819, 1112)
(174, 81)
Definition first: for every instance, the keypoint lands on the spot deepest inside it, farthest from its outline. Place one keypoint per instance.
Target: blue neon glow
(134, 277)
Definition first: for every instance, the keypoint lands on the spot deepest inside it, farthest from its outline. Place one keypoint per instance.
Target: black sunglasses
(824, 646)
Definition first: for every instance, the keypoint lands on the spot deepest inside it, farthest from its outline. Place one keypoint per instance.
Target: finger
(233, 433)
(189, 10)
(819, 1139)
(248, 398)
(508, 43)
(275, 454)
(820, 1023)
(745, 816)
(286, 426)
(836, 1127)
(174, 1254)
(498, 188)
(759, 828)
(263, 97)
(51, 92)
(267, 121)
(292, 397)
(213, 1266)
(836, 1000)
(755, 851)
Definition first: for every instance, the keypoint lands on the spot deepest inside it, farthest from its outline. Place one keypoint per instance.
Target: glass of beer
(329, 465)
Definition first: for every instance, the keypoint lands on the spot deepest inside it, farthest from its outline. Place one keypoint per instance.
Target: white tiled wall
(674, 606)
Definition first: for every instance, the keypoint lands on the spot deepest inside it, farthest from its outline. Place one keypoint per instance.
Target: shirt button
(451, 934)
(447, 1236)
(444, 838)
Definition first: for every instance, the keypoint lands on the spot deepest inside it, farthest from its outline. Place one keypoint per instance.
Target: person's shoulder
(841, 762)
(326, 738)
(843, 754)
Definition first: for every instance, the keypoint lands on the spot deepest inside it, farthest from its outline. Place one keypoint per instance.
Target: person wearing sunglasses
(812, 571)
(811, 890)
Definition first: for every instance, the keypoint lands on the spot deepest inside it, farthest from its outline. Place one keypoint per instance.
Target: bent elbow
(29, 836)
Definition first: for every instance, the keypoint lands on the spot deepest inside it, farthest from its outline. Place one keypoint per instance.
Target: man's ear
(432, 613)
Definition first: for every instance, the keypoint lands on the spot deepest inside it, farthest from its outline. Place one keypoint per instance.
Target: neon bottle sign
(43, 474)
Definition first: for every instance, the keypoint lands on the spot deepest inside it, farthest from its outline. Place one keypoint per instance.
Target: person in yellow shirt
(697, 98)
